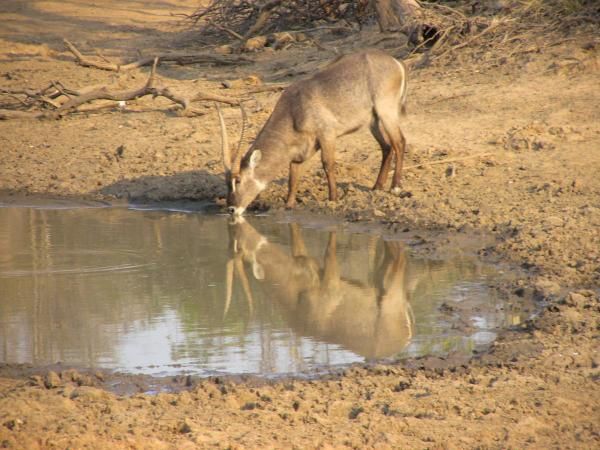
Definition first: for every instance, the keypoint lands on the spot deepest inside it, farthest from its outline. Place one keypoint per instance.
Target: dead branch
(179, 58)
(263, 15)
(65, 101)
(6, 114)
(207, 96)
(492, 26)
(268, 88)
(228, 31)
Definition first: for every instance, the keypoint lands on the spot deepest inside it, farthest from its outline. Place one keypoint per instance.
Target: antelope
(362, 89)
(372, 319)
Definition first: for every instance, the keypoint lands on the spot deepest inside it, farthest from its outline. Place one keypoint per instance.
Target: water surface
(172, 290)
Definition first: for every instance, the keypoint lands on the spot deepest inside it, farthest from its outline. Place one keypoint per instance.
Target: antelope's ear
(255, 158)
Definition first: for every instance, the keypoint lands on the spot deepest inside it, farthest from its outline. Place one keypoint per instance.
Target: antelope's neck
(273, 160)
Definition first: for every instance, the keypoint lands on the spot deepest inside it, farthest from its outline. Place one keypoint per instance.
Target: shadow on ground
(194, 185)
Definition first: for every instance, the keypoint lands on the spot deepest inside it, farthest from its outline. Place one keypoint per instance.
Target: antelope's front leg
(293, 184)
(328, 159)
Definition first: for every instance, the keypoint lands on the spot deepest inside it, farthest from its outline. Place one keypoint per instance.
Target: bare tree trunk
(397, 15)
(394, 14)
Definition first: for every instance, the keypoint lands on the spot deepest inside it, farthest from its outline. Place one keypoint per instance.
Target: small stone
(185, 427)
(120, 152)
(378, 213)
(553, 221)
(249, 406)
(89, 393)
(576, 184)
(301, 37)
(224, 50)
(52, 380)
(70, 375)
(355, 412)
(279, 40)
(402, 385)
(255, 43)
(36, 380)
(13, 424)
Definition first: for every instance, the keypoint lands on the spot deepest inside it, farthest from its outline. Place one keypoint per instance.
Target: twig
(263, 16)
(207, 96)
(452, 97)
(228, 31)
(449, 9)
(469, 41)
(180, 58)
(268, 88)
(447, 160)
(438, 44)
(101, 56)
(322, 47)
(324, 27)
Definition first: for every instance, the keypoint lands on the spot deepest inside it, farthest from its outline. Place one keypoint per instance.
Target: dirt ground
(534, 121)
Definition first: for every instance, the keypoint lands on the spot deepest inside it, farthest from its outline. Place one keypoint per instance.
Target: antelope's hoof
(396, 190)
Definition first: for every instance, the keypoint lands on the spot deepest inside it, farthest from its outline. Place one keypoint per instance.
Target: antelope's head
(242, 184)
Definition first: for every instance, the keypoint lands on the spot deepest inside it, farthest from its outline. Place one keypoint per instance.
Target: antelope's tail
(403, 87)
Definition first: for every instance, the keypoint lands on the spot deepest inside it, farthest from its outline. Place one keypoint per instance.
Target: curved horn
(229, 268)
(225, 150)
(237, 159)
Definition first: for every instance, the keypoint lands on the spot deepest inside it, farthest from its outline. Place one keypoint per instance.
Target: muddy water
(165, 291)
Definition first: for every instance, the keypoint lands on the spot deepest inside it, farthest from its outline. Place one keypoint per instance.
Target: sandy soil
(536, 121)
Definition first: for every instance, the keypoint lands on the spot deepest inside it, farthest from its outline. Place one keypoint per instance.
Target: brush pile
(247, 18)
(504, 27)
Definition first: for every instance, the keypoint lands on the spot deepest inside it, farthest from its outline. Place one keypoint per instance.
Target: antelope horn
(237, 159)
(225, 150)
(228, 286)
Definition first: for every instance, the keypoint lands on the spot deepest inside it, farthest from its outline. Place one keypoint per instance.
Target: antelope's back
(345, 90)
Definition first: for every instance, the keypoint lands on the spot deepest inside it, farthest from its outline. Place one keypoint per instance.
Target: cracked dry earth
(535, 124)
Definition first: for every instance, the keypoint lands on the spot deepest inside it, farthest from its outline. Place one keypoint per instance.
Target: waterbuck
(367, 88)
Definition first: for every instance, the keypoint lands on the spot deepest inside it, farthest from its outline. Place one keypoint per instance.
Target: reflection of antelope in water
(374, 321)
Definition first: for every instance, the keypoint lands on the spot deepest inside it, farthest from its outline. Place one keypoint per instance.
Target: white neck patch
(260, 184)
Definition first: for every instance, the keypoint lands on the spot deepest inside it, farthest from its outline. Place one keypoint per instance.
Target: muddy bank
(535, 189)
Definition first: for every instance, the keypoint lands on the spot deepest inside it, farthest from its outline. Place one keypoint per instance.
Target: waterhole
(171, 290)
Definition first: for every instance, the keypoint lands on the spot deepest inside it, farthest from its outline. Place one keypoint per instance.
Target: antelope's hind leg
(393, 133)
(386, 153)
(399, 149)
